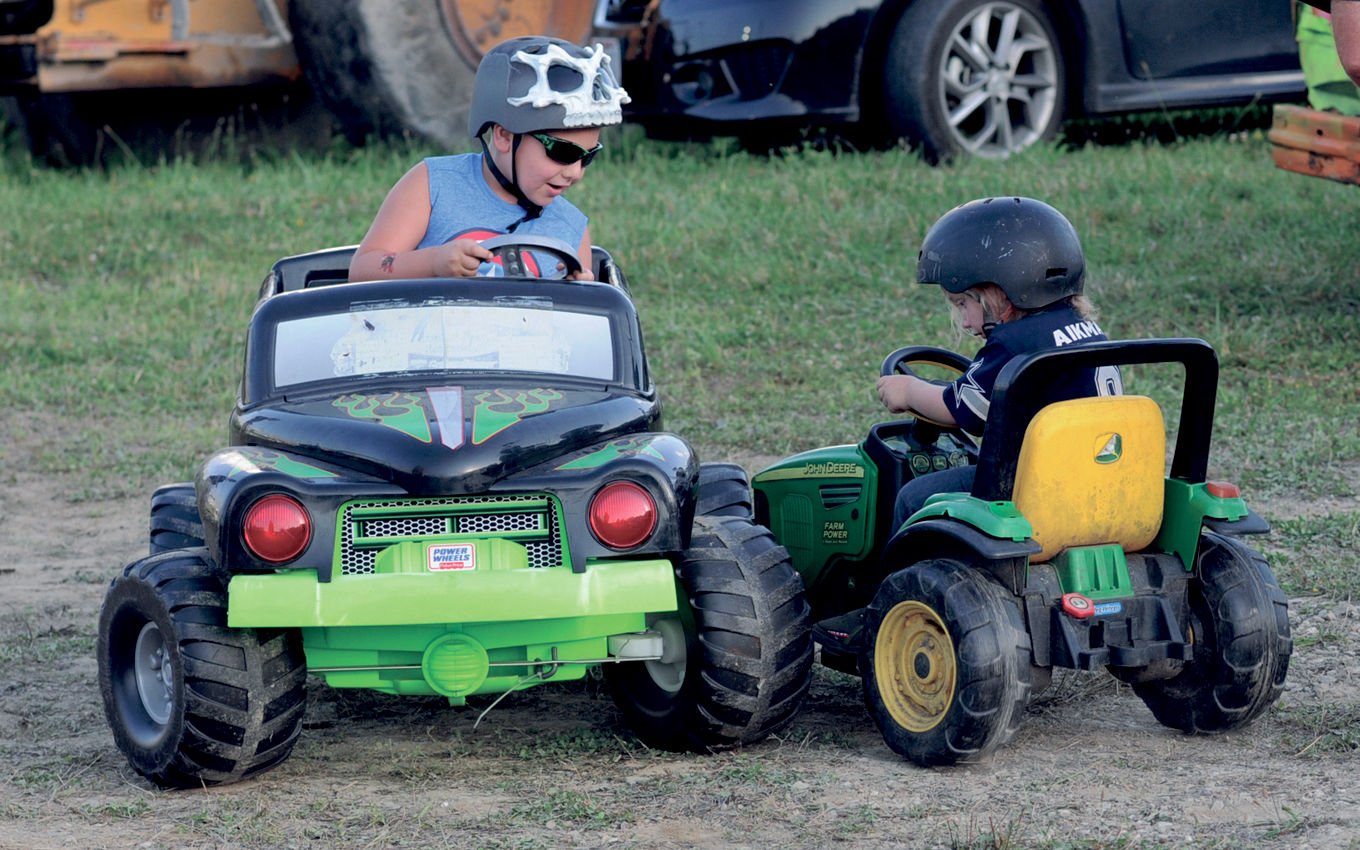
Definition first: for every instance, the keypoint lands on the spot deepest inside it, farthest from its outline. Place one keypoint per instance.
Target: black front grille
(368, 527)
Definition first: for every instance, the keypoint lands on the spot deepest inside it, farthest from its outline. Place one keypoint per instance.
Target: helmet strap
(511, 183)
(989, 319)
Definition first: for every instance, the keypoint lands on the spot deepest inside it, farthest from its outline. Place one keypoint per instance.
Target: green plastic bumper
(461, 632)
(297, 599)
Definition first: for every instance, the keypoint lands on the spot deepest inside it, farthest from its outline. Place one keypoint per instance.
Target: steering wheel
(922, 429)
(899, 362)
(510, 250)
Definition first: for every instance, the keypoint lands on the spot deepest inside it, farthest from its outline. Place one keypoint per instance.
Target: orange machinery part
(92, 45)
(1320, 144)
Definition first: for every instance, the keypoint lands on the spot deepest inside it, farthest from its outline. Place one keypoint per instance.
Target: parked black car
(985, 77)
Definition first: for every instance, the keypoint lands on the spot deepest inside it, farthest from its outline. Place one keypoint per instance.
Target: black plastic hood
(446, 440)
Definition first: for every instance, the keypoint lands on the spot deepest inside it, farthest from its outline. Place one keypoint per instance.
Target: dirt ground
(555, 768)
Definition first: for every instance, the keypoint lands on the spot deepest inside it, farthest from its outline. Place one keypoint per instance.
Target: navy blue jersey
(970, 397)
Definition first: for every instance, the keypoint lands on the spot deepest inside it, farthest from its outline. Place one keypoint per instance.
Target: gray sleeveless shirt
(463, 205)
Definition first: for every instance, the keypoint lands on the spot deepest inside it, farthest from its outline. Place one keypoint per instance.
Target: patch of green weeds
(25, 642)
(122, 809)
(856, 821)
(1291, 823)
(44, 778)
(1317, 554)
(574, 807)
(1319, 731)
(577, 743)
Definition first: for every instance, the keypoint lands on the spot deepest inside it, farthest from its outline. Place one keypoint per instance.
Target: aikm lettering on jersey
(1075, 332)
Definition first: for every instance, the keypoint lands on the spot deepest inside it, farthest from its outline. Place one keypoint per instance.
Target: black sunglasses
(564, 152)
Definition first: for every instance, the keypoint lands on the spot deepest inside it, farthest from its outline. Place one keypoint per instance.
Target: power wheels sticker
(441, 557)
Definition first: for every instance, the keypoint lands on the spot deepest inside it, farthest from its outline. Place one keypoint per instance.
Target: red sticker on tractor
(451, 556)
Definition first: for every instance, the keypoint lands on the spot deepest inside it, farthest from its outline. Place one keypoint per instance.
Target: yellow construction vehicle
(380, 66)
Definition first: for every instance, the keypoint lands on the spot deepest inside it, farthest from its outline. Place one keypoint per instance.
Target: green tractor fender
(993, 535)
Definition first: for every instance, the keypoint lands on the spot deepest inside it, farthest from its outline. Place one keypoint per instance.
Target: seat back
(1092, 471)
(331, 265)
(303, 271)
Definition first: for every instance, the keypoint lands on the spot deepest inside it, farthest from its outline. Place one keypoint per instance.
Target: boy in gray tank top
(538, 104)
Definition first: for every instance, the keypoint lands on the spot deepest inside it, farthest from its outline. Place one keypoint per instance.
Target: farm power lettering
(834, 531)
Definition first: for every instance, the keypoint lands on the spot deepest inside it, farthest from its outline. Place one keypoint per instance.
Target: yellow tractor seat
(1092, 471)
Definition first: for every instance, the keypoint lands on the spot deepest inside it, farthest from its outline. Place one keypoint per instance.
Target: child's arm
(909, 394)
(583, 254)
(1346, 27)
(388, 250)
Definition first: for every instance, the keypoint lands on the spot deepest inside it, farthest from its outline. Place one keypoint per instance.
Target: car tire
(192, 702)
(724, 490)
(175, 523)
(738, 654)
(996, 110)
(1239, 621)
(391, 67)
(945, 663)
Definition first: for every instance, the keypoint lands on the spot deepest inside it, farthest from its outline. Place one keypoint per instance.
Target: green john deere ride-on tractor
(457, 488)
(1076, 548)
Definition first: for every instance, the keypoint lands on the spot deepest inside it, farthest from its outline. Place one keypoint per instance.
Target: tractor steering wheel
(911, 360)
(899, 362)
(510, 250)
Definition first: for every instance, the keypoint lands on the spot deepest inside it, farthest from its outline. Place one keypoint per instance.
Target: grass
(1319, 731)
(1313, 552)
(770, 288)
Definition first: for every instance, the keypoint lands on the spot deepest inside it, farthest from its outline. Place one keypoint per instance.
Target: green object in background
(1328, 85)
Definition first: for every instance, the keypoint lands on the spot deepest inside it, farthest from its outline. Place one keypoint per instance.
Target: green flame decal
(499, 409)
(246, 461)
(612, 451)
(399, 411)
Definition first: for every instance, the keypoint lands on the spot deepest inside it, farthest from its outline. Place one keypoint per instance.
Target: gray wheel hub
(154, 674)
(668, 672)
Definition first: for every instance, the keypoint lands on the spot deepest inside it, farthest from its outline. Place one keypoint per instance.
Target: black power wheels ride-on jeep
(452, 488)
(1075, 549)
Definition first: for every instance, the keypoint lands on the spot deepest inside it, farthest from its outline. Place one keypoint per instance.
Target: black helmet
(1024, 246)
(537, 83)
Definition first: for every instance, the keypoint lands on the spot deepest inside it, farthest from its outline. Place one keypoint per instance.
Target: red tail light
(622, 515)
(277, 528)
(1223, 489)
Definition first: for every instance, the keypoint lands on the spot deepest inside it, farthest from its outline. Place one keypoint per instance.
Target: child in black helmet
(1013, 270)
(538, 105)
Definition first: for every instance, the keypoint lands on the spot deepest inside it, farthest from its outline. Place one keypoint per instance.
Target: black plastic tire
(394, 67)
(190, 701)
(747, 662)
(724, 490)
(945, 664)
(923, 52)
(175, 523)
(1240, 625)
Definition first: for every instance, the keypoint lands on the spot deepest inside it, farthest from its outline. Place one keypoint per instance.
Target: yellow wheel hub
(915, 666)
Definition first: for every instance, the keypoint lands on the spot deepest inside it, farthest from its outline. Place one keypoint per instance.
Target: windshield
(439, 336)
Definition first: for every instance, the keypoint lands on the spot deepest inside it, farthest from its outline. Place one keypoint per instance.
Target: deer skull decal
(596, 98)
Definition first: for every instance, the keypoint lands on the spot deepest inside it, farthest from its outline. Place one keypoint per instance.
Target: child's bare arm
(908, 394)
(587, 271)
(388, 250)
(1346, 25)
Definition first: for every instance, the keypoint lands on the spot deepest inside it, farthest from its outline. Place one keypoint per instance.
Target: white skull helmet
(538, 83)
